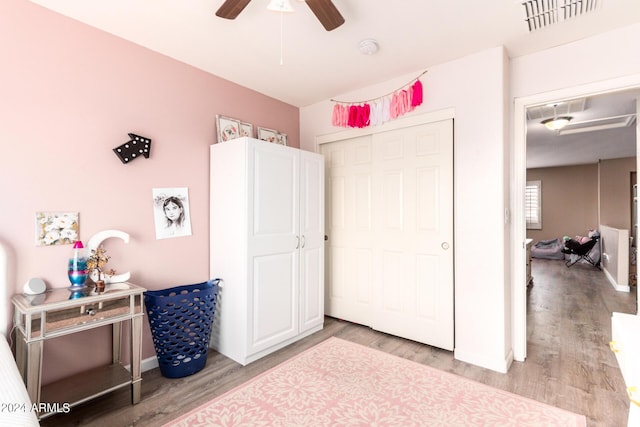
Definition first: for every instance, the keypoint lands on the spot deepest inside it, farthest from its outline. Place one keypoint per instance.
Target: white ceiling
(594, 140)
(318, 65)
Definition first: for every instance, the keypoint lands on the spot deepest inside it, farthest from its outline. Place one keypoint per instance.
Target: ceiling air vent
(605, 123)
(542, 13)
(565, 108)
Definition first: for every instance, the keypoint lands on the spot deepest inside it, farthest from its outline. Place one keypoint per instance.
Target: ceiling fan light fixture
(280, 6)
(556, 123)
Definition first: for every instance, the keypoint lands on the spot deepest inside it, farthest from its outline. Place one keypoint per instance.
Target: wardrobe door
(273, 245)
(311, 240)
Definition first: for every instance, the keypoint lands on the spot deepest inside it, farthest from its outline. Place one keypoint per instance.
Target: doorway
(518, 279)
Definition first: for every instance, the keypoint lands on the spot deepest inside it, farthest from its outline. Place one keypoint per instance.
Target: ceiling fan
(325, 11)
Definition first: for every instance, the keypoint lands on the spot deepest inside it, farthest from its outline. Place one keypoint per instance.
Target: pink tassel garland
(379, 110)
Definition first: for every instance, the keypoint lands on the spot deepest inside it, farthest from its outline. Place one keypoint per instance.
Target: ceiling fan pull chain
(281, 37)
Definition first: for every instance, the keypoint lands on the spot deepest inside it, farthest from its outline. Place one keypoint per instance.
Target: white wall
(615, 256)
(475, 87)
(603, 57)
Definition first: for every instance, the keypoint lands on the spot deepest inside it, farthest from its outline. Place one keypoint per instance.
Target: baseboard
(152, 362)
(261, 354)
(146, 364)
(494, 364)
(616, 286)
(149, 363)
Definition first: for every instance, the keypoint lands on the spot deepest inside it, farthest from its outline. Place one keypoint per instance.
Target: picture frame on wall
(246, 129)
(227, 128)
(266, 134)
(56, 228)
(171, 212)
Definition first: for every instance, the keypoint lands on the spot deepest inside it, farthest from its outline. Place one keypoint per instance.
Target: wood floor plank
(569, 364)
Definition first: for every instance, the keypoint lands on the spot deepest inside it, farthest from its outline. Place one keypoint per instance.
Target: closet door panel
(312, 289)
(349, 228)
(275, 198)
(413, 178)
(274, 301)
(311, 240)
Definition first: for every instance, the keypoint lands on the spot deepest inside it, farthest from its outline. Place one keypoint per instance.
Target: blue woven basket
(181, 318)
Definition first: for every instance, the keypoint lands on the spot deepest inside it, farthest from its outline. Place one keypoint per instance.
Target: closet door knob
(303, 240)
(298, 242)
(445, 245)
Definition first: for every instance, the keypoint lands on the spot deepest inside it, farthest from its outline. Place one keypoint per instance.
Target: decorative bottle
(78, 265)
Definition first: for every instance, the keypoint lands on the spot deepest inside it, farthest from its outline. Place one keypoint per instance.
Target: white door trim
(519, 174)
(413, 120)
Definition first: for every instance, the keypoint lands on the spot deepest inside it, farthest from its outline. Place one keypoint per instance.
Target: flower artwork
(271, 135)
(268, 135)
(246, 129)
(228, 128)
(56, 228)
(229, 131)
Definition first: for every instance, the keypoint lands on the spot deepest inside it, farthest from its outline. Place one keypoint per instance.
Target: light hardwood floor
(569, 364)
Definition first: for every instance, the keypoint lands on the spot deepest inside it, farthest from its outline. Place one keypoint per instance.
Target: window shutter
(533, 204)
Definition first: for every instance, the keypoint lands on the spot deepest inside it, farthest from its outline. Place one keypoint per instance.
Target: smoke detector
(368, 47)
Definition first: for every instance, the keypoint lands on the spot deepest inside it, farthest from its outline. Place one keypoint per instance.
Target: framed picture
(281, 138)
(268, 135)
(246, 129)
(171, 212)
(228, 128)
(56, 228)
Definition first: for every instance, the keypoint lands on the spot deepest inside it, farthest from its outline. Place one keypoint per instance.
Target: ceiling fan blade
(327, 13)
(230, 9)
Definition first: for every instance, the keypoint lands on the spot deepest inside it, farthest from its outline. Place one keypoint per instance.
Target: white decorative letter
(96, 240)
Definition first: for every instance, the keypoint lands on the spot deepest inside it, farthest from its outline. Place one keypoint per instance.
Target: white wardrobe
(267, 244)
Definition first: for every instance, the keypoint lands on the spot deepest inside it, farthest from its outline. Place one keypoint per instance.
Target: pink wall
(69, 95)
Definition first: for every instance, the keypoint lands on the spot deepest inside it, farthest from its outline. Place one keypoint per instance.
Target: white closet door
(390, 227)
(273, 258)
(413, 256)
(348, 213)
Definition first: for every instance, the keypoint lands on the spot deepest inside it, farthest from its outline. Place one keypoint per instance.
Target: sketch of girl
(171, 215)
(174, 213)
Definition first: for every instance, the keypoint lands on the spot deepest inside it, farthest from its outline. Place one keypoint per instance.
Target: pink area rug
(339, 383)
